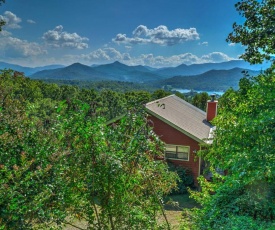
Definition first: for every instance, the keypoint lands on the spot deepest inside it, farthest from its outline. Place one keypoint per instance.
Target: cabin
(182, 127)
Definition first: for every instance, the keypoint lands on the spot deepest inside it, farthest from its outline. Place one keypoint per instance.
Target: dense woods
(60, 159)
(65, 155)
(243, 144)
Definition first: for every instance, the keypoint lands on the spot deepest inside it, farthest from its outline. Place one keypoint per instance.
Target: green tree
(257, 31)
(137, 98)
(181, 95)
(113, 104)
(114, 180)
(50, 90)
(69, 93)
(2, 22)
(243, 145)
(31, 182)
(160, 93)
(59, 162)
(200, 100)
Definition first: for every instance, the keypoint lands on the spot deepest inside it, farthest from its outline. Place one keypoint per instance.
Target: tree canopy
(61, 161)
(243, 144)
(257, 31)
(243, 147)
(2, 22)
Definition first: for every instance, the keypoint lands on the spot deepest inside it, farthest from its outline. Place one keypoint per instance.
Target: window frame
(177, 152)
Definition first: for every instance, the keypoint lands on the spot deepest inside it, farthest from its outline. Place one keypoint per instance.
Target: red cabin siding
(170, 135)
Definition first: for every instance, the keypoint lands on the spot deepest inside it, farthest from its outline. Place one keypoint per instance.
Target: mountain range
(27, 70)
(211, 76)
(108, 72)
(216, 80)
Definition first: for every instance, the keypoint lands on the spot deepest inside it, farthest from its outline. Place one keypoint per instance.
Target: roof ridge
(151, 102)
(181, 114)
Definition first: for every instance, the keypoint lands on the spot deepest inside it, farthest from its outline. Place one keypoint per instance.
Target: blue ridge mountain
(122, 72)
(195, 69)
(218, 80)
(115, 72)
(27, 70)
(75, 71)
(207, 76)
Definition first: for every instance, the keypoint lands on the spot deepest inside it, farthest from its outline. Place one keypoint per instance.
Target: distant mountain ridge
(218, 80)
(219, 75)
(75, 71)
(195, 69)
(27, 70)
(115, 71)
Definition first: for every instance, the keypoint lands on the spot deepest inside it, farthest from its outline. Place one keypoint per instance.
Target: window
(177, 152)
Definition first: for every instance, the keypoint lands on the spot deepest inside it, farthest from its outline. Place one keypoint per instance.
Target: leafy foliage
(118, 86)
(124, 182)
(257, 31)
(60, 159)
(185, 179)
(243, 146)
(200, 100)
(30, 179)
(2, 22)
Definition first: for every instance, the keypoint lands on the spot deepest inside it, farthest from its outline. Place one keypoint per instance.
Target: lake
(199, 91)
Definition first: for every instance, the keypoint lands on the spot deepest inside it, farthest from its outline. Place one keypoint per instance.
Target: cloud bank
(58, 38)
(160, 35)
(11, 47)
(108, 55)
(12, 21)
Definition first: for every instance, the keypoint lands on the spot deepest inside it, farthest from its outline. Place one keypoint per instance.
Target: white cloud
(175, 60)
(58, 38)
(31, 21)
(128, 48)
(203, 43)
(215, 57)
(232, 44)
(11, 47)
(160, 35)
(12, 21)
(108, 55)
(162, 61)
(5, 33)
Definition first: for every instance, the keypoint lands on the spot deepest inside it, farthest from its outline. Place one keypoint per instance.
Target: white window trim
(179, 159)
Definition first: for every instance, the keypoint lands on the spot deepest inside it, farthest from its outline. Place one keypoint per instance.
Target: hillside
(218, 80)
(75, 71)
(195, 69)
(207, 76)
(27, 70)
(115, 72)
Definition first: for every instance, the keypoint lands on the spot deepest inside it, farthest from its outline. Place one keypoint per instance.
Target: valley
(202, 77)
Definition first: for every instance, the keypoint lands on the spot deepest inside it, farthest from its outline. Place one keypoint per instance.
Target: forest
(59, 158)
(56, 147)
(62, 159)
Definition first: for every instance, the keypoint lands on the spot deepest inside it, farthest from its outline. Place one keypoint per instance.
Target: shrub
(185, 179)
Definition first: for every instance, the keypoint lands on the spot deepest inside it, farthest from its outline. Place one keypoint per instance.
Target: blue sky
(157, 33)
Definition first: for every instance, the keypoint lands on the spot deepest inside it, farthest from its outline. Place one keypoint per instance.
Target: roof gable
(183, 116)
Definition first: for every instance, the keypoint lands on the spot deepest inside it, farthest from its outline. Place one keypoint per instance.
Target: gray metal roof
(182, 116)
